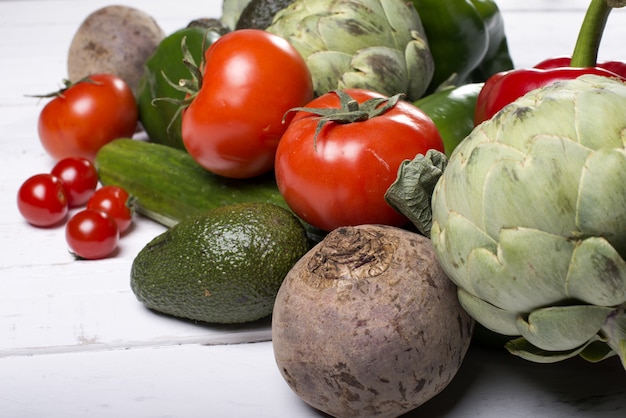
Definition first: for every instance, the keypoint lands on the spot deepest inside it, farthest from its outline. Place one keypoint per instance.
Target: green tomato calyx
(349, 110)
(190, 87)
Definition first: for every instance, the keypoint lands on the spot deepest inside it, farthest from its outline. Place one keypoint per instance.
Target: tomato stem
(349, 110)
(66, 85)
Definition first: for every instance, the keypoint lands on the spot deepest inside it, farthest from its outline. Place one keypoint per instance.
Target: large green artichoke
(374, 44)
(529, 220)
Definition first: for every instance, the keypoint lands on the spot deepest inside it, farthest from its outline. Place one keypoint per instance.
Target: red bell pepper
(505, 87)
(617, 67)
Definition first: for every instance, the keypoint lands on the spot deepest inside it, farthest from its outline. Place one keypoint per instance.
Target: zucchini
(167, 185)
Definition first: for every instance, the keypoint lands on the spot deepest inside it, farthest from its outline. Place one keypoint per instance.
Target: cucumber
(167, 185)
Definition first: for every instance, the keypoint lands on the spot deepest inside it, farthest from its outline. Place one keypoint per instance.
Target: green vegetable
(159, 118)
(497, 58)
(452, 110)
(466, 38)
(231, 11)
(168, 185)
(258, 14)
(529, 221)
(373, 44)
(224, 266)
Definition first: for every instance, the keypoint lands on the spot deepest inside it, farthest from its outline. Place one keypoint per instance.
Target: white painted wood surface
(74, 342)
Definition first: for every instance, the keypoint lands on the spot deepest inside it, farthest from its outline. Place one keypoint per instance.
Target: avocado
(259, 14)
(222, 267)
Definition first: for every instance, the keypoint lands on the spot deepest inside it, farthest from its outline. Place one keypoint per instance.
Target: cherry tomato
(79, 178)
(339, 175)
(42, 200)
(91, 234)
(233, 125)
(113, 201)
(82, 118)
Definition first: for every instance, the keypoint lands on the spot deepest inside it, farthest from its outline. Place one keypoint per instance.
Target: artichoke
(378, 45)
(529, 220)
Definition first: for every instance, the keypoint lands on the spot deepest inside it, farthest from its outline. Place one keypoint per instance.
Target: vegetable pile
(433, 179)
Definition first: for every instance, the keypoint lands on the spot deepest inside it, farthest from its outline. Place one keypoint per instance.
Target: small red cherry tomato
(91, 234)
(114, 201)
(42, 200)
(79, 177)
(79, 120)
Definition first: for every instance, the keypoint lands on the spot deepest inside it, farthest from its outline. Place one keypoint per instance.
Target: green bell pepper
(497, 58)
(466, 38)
(452, 111)
(160, 118)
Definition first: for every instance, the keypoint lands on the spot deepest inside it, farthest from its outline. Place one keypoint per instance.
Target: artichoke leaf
(601, 106)
(420, 66)
(354, 25)
(602, 197)
(614, 331)
(563, 328)
(596, 351)
(402, 15)
(231, 10)
(491, 317)
(524, 349)
(589, 98)
(377, 68)
(545, 187)
(461, 241)
(304, 37)
(463, 185)
(511, 125)
(527, 270)
(330, 66)
(597, 273)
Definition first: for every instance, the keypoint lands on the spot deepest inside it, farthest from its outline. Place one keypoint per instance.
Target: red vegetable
(617, 67)
(251, 78)
(83, 117)
(503, 88)
(42, 200)
(79, 178)
(339, 156)
(113, 201)
(91, 234)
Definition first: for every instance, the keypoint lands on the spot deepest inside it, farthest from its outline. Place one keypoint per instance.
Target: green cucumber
(167, 185)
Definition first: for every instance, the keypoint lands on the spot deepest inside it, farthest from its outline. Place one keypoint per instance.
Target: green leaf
(563, 328)
(614, 331)
(491, 317)
(597, 273)
(596, 351)
(412, 191)
(522, 348)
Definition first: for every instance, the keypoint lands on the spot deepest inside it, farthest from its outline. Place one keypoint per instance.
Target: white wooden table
(74, 342)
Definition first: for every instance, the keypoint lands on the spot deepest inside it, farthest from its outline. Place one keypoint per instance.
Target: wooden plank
(243, 381)
(75, 342)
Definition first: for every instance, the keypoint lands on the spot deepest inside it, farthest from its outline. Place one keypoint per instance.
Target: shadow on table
(492, 379)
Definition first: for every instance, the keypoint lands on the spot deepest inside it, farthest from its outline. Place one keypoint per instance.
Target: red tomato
(42, 200)
(87, 115)
(233, 125)
(113, 201)
(79, 178)
(340, 177)
(91, 234)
